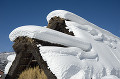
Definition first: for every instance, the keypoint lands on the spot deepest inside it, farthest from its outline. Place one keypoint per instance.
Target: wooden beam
(43, 65)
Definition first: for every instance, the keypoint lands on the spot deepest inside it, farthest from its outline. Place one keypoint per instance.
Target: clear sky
(15, 13)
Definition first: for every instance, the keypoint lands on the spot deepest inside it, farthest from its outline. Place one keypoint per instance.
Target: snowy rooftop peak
(66, 15)
(75, 18)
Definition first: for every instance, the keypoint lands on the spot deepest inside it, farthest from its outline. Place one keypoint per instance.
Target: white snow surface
(10, 59)
(49, 35)
(92, 53)
(110, 77)
(75, 18)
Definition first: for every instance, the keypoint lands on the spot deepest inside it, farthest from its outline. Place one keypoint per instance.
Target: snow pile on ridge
(49, 35)
(91, 53)
(75, 18)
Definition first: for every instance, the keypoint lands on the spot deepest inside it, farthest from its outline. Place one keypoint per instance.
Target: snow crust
(92, 53)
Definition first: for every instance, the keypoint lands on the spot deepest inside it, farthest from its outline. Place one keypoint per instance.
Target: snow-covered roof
(49, 35)
(75, 18)
(91, 53)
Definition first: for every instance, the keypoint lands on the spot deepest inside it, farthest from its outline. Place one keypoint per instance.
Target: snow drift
(92, 53)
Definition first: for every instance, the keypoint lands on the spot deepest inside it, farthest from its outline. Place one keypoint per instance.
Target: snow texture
(92, 53)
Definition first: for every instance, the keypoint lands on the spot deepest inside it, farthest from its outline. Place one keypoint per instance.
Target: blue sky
(15, 13)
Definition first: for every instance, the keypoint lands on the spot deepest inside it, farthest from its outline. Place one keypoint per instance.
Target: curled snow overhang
(69, 16)
(49, 35)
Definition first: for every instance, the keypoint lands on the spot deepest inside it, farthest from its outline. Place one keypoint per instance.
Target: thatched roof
(26, 51)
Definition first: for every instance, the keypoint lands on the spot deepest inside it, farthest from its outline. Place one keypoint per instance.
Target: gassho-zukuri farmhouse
(69, 47)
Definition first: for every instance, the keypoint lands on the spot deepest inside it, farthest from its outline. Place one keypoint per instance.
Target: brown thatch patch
(57, 23)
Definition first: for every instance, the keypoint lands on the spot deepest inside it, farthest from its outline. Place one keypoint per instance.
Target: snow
(79, 75)
(110, 77)
(71, 57)
(10, 59)
(49, 35)
(93, 32)
(92, 53)
(77, 19)
(61, 69)
(66, 15)
(62, 62)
